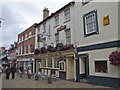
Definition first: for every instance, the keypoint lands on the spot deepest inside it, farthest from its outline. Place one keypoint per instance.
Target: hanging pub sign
(106, 20)
(61, 28)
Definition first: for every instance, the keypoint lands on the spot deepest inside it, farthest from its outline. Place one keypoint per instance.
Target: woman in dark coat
(7, 71)
(13, 70)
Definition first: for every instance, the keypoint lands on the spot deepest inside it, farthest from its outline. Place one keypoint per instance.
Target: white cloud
(21, 14)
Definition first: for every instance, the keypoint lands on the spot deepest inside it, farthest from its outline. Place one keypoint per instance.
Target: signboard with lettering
(61, 28)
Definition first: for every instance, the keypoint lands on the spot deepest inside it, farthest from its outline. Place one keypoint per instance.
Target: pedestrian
(21, 69)
(13, 70)
(7, 71)
(29, 72)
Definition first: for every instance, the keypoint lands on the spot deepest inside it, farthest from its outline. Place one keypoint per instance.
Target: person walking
(7, 71)
(21, 70)
(13, 70)
(29, 72)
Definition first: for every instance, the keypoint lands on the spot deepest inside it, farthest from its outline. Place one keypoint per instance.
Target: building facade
(75, 42)
(55, 44)
(97, 36)
(25, 48)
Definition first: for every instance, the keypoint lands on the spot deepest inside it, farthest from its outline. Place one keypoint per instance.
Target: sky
(19, 15)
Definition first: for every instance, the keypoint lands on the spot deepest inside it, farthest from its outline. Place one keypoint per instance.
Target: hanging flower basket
(37, 51)
(114, 58)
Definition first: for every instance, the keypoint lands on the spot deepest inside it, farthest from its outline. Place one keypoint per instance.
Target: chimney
(45, 13)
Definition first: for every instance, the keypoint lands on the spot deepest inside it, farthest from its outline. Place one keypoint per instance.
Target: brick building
(25, 48)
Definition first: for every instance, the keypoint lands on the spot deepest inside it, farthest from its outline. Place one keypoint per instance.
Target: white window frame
(57, 38)
(57, 20)
(56, 62)
(85, 1)
(62, 62)
(68, 36)
(49, 62)
(67, 14)
(30, 34)
(90, 23)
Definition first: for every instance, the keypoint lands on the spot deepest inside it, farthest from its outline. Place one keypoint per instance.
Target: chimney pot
(45, 13)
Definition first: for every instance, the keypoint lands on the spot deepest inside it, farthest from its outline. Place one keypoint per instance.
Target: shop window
(56, 62)
(49, 62)
(43, 62)
(101, 66)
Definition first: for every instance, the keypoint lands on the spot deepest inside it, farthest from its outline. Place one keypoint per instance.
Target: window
(57, 38)
(90, 23)
(85, 1)
(101, 66)
(30, 34)
(68, 36)
(26, 36)
(67, 14)
(43, 62)
(22, 38)
(62, 66)
(57, 20)
(44, 42)
(56, 62)
(49, 62)
(44, 27)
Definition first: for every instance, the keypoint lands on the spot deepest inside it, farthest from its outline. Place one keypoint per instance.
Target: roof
(28, 28)
(53, 14)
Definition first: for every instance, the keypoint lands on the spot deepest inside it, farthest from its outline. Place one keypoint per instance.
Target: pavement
(24, 82)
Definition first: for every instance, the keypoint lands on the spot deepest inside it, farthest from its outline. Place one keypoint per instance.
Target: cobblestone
(24, 82)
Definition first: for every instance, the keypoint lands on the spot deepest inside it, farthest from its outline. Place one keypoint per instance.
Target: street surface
(24, 82)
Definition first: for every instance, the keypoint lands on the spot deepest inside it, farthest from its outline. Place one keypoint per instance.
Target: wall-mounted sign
(106, 20)
(61, 28)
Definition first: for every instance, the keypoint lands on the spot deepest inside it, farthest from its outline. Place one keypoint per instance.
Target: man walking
(7, 71)
(13, 70)
(21, 70)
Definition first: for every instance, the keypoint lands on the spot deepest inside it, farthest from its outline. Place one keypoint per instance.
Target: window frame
(56, 62)
(57, 20)
(96, 22)
(102, 65)
(85, 2)
(66, 13)
(57, 38)
(62, 62)
(68, 36)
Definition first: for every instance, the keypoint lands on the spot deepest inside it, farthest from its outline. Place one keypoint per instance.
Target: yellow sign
(106, 20)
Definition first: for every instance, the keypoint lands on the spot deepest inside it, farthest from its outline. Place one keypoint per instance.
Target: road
(24, 82)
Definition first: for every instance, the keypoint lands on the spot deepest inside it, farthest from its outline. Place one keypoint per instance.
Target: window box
(90, 23)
